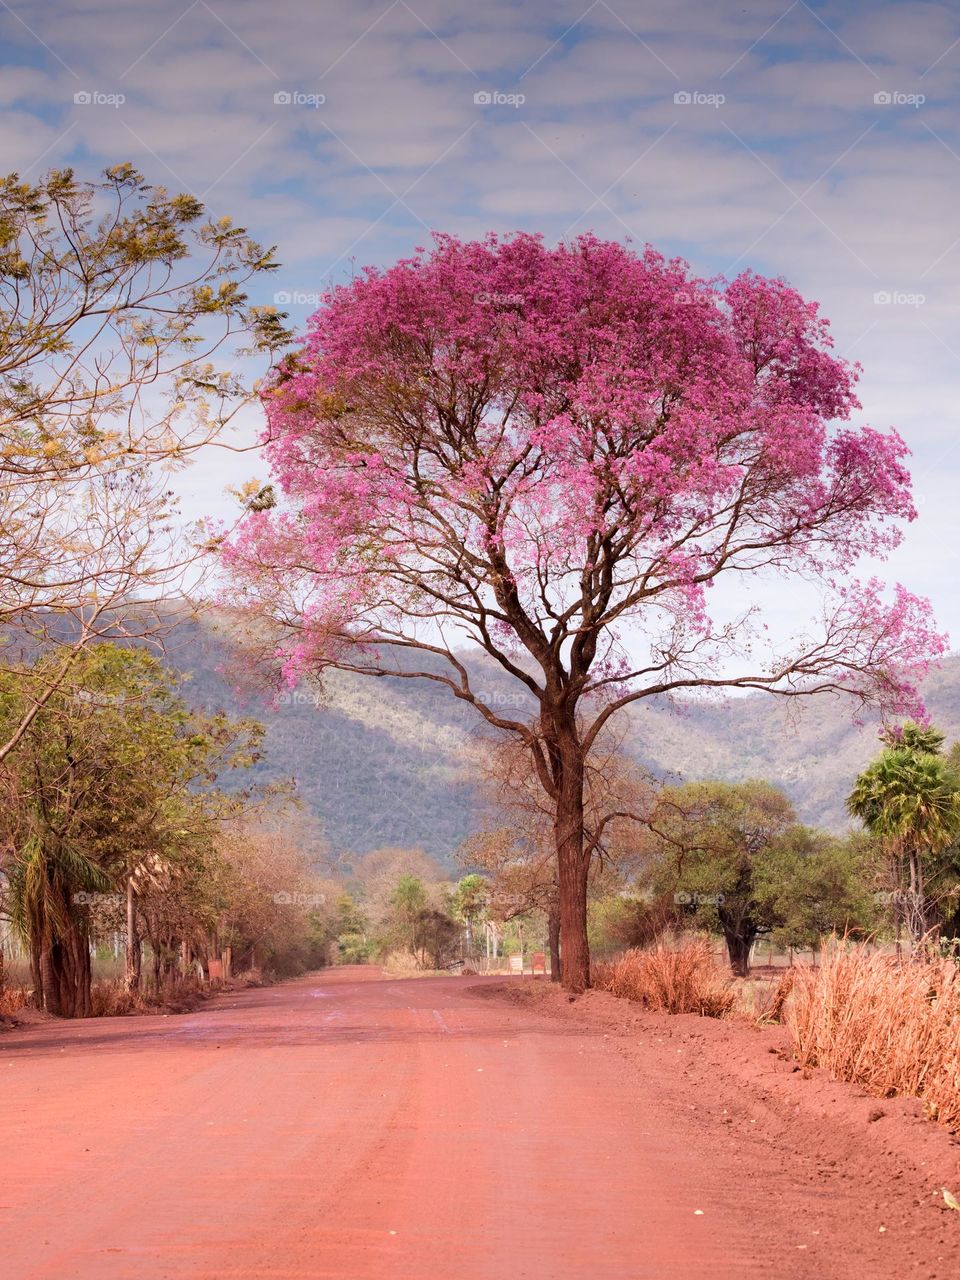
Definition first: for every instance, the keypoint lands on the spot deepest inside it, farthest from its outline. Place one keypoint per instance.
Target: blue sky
(820, 142)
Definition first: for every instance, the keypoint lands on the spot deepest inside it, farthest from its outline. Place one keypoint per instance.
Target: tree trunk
(916, 907)
(738, 949)
(36, 971)
(47, 987)
(82, 976)
(567, 765)
(134, 950)
(56, 992)
(553, 939)
(572, 867)
(65, 973)
(60, 961)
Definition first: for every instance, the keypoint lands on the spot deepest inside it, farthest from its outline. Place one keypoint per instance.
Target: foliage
(622, 921)
(811, 885)
(470, 898)
(436, 938)
(353, 944)
(405, 919)
(737, 862)
(264, 899)
(407, 902)
(376, 875)
(122, 311)
(909, 799)
(114, 784)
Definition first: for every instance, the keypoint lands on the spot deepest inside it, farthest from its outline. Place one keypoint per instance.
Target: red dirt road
(361, 1129)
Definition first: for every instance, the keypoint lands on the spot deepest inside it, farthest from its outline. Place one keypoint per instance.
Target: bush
(617, 923)
(891, 1026)
(354, 948)
(681, 980)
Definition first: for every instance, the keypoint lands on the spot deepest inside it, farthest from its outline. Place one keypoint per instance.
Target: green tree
(909, 799)
(469, 903)
(738, 863)
(113, 794)
(351, 931)
(808, 884)
(629, 918)
(436, 938)
(407, 900)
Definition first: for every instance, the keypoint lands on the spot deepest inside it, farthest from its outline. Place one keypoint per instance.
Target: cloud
(798, 171)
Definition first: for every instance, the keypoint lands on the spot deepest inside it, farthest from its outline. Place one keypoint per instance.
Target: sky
(818, 142)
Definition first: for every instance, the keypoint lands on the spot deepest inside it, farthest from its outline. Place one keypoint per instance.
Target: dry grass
(400, 964)
(111, 1000)
(669, 980)
(12, 1000)
(892, 1027)
(762, 997)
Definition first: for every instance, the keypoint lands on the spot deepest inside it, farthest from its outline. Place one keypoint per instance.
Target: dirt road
(353, 1128)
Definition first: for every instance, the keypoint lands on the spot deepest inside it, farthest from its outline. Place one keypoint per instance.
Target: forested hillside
(386, 762)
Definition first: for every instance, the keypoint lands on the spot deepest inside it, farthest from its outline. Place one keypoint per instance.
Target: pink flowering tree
(549, 455)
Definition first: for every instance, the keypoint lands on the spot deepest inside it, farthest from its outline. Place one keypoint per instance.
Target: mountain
(811, 747)
(378, 762)
(387, 761)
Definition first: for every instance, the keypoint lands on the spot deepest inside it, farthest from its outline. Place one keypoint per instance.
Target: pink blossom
(537, 443)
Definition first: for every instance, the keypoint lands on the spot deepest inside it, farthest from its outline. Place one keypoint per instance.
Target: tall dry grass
(891, 1026)
(684, 979)
(12, 1000)
(111, 999)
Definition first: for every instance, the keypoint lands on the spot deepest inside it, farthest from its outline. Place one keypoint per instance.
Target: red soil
(436, 1128)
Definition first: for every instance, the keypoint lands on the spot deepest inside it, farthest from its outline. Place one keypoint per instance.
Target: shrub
(891, 1026)
(618, 923)
(680, 980)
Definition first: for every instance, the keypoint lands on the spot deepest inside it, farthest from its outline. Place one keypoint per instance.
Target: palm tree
(48, 886)
(909, 799)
